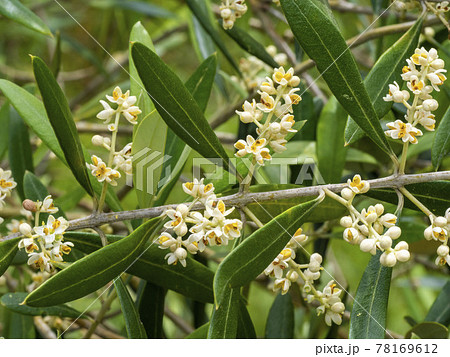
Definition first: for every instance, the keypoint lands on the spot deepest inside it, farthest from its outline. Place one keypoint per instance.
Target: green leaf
(21, 326)
(33, 113)
(440, 310)
(20, 154)
(245, 328)
(200, 333)
(194, 281)
(13, 301)
(4, 124)
(17, 12)
(224, 320)
(441, 143)
(58, 112)
(56, 59)
(151, 310)
(386, 70)
(317, 33)
(428, 330)
(136, 6)
(202, 16)
(94, 270)
(256, 252)
(249, 44)
(8, 250)
(34, 189)
(434, 195)
(176, 105)
(330, 141)
(280, 322)
(133, 324)
(368, 317)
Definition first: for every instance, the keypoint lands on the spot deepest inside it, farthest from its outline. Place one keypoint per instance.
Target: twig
(178, 321)
(44, 329)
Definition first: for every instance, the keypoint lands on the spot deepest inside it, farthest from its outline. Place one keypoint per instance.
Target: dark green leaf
(13, 301)
(4, 124)
(434, 195)
(20, 154)
(368, 317)
(330, 141)
(94, 270)
(245, 328)
(440, 310)
(176, 105)
(256, 252)
(224, 320)
(34, 189)
(133, 324)
(386, 70)
(8, 250)
(441, 143)
(428, 330)
(194, 281)
(21, 326)
(17, 12)
(197, 8)
(249, 44)
(58, 112)
(151, 310)
(317, 33)
(280, 322)
(56, 59)
(200, 333)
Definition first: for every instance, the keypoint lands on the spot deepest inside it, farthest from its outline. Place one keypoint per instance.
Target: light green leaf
(133, 324)
(249, 44)
(8, 250)
(176, 105)
(386, 70)
(20, 154)
(17, 12)
(440, 310)
(428, 330)
(330, 141)
(256, 252)
(317, 33)
(94, 270)
(202, 16)
(21, 326)
(194, 281)
(151, 309)
(13, 301)
(224, 320)
(280, 322)
(368, 317)
(200, 333)
(58, 112)
(140, 7)
(441, 143)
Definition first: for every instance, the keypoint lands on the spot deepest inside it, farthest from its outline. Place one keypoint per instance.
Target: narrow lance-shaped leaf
(4, 124)
(368, 317)
(133, 324)
(204, 19)
(256, 252)
(440, 310)
(176, 105)
(8, 250)
(58, 112)
(245, 328)
(280, 322)
(93, 271)
(386, 70)
(428, 330)
(249, 44)
(224, 320)
(151, 309)
(17, 12)
(441, 143)
(317, 33)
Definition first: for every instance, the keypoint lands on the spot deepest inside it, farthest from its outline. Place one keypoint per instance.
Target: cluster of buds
(45, 243)
(423, 74)
(118, 160)
(230, 10)
(371, 228)
(7, 184)
(210, 228)
(439, 231)
(286, 271)
(278, 95)
(254, 71)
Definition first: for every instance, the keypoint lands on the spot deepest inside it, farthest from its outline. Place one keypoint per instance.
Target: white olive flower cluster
(405, 5)
(442, 7)
(439, 231)
(230, 10)
(7, 184)
(254, 71)
(118, 160)
(286, 271)
(423, 74)
(210, 228)
(367, 228)
(44, 244)
(278, 95)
